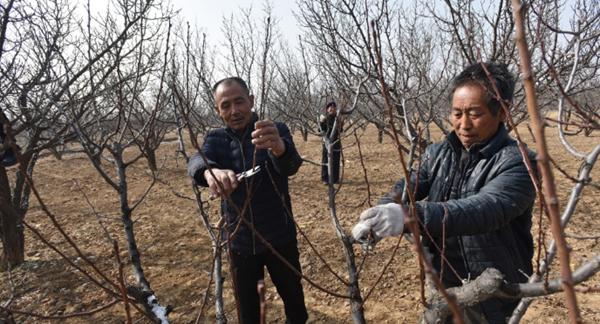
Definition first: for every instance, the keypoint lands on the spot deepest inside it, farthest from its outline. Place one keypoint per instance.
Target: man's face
(471, 117)
(234, 105)
(331, 110)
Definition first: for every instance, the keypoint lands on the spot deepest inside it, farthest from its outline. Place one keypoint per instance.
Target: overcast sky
(208, 14)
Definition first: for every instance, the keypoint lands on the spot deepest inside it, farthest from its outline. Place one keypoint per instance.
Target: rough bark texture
(543, 162)
(11, 227)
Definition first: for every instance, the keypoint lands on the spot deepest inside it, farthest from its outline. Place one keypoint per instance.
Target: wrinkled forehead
(470, 109)
(228, 91)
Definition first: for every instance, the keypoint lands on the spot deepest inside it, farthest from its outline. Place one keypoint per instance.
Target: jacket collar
(248, 130)
(487, 148)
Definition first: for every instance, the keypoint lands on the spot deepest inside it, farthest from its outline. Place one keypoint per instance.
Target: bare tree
(43, 74)
(131, 126)
(250, 50)
(117, 83)
(190, 85)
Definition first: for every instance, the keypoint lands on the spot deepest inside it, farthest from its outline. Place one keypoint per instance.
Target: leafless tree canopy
(115, 84)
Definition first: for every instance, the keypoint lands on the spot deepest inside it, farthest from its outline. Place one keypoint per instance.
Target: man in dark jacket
(7, 155)
(474, 193)
(331, 130)
(247, 142)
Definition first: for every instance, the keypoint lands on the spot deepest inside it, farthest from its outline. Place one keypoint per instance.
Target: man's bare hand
(226, 178)
(266, 136)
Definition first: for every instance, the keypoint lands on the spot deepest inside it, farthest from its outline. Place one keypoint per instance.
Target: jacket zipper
(243, 158)
(460, 172)
(460, 240)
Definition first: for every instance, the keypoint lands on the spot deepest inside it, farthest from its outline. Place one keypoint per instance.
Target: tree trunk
(6, 317)
(356, 301)
(11, 227)
(151, 158)
(13, 239)
(143, 292)
(220, 315)
(57, 153)
(304, 131)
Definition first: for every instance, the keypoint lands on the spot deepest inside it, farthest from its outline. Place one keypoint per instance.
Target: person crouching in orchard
(331, 130)
(229, 151)
(473, 189)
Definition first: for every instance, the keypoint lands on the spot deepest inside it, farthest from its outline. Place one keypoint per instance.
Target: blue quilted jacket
(488, 195)
(270, 209)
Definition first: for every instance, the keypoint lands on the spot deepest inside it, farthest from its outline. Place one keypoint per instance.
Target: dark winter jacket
(326, 126)
(270, 209)
(488, 195)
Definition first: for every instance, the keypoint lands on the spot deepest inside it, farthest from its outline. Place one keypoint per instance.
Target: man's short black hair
(475, 74)
(237, 80)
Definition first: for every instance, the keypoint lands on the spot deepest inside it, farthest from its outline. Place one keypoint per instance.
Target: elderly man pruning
(229, 152)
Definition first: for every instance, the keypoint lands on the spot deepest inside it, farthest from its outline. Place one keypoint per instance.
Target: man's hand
(227, 179)
(379, 222)
(266, 136)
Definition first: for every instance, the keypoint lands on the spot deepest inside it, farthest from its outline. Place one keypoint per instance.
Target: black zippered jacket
(487, 196)
(270, 209)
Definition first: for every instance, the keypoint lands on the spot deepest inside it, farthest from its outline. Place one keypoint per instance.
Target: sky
(208, 14)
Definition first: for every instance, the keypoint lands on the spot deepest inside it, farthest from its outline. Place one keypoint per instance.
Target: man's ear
(251, 98)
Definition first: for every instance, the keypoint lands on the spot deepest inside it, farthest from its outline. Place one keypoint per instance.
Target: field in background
(176, 251)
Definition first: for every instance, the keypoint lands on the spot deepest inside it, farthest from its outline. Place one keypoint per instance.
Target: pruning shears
(240, 176)
(248, 173)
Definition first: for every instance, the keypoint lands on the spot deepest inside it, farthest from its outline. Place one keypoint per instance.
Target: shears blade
(248, 173)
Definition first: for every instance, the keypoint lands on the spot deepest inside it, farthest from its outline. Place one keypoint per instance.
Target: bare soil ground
(176, 250)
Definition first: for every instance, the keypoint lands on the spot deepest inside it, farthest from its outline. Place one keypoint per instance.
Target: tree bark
(543, 162)
(151, 158)
(304, 131)
(356, 300)
(11, 227)
(220, 314)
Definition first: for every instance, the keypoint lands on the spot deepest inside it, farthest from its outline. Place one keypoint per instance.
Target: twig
(385, 267)
(121, 281)
(543, 164)
(364, 168)
(210, 279)
(260, 287)
(424, 265)
(327, 266)
(583, 237)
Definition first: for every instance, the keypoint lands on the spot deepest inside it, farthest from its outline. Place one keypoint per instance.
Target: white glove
(380, 221)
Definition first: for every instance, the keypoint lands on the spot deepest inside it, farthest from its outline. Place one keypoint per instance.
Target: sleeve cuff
(196, 168)
(285, 154)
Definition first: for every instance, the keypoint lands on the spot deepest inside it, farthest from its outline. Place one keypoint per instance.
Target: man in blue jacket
(474, 193)
(244, 143)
